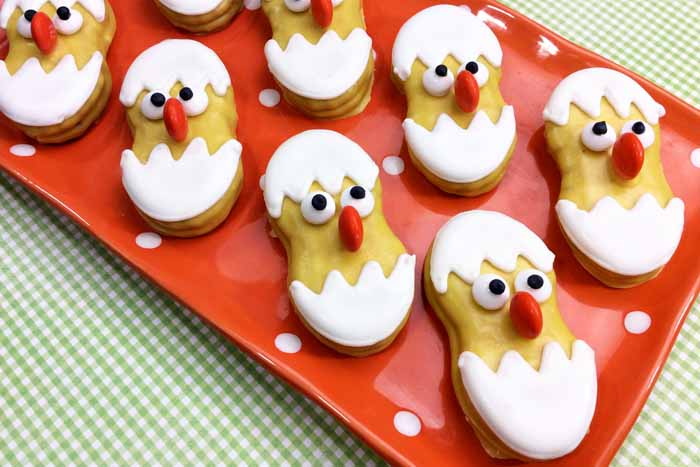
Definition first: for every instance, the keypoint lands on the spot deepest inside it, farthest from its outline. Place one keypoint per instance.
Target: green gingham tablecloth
(98, 367)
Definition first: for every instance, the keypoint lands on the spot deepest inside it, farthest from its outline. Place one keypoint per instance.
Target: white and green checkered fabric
(98, 367)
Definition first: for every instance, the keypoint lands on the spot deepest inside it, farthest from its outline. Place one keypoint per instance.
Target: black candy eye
(357, 192)
(29, 15)
(600, 128)
(158, 99)
(319, 202)
(63, 13)
(472, 67)
(186, 94)
(441, 70)
(535, 282)
(642, 130)
(497, 287)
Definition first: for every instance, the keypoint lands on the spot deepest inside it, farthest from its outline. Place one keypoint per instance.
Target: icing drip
(436, 32)
(472, 237)
(361, 315)
(458, 155)
(628, 242)
(95, 7)
(325, 70)
(586, 88)
(305, 158)
(170, 191)
(175, 60)
(33, 97)
(539, 414)
(191, 7)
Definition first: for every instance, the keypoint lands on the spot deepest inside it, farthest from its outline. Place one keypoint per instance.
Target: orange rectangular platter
(235, 278)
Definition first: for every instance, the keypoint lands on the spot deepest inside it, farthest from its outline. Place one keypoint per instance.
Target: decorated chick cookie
(528, 387)
(184, 172)
(320, 55)
(200, 16)
(350, 279)
(55, 81)
(459, 132)
(615, 207)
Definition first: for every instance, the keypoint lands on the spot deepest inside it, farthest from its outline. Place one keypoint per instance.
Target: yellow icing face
(316, 250)
(491, 333)
(459, 131)
(90, 37)
(514, 361)
(346, 16)
(588, 176)
(350, 279)
(425, 108)
(216, 125)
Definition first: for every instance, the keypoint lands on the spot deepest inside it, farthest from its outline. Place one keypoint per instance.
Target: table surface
(98, 366)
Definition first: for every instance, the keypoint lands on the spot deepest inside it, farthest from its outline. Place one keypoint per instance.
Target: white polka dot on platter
(269, 97)
(695, 158)
(23, 150)
(637, 322)
(149, 240)
(288, 343)
(252, 4)
(407, 423)
(393, 165)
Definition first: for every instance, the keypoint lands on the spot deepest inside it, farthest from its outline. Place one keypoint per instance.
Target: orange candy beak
(628, 156)
(526, 315)
(44, 32)
(175, 120)
(351, 229)
(467, 91)
(323, 12)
